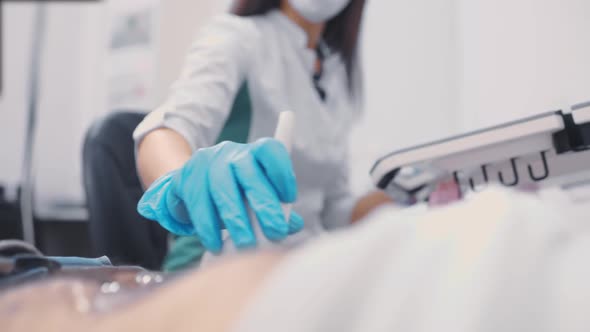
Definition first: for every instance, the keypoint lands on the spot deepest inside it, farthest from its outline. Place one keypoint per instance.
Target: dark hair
(341, 33)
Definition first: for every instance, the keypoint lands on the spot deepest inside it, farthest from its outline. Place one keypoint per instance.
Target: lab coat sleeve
(200, 100)
(339, 201)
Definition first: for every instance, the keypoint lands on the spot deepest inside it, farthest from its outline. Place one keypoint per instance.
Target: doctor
(205, 148)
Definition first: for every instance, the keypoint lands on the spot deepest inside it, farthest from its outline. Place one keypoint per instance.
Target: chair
(112, 191)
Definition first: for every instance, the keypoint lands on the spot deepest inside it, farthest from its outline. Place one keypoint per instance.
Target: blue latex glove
(207, 194)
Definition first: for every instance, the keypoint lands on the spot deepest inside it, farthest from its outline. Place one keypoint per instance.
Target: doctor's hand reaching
(209, 193)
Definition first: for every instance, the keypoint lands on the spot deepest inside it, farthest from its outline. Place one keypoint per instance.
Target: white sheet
(501, 261)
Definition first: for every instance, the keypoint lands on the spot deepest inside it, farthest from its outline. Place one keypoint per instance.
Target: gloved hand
(207, 194)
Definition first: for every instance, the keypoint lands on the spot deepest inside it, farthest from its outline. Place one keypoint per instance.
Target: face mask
(318, 11)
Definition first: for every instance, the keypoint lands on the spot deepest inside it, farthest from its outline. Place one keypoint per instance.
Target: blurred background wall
(436, 68)
(433, 68)
(180, 21)
(80, 73)
(409, 50)
(15, 71)
(521, 57)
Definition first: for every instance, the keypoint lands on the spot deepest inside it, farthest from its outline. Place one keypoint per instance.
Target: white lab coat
(270, 53)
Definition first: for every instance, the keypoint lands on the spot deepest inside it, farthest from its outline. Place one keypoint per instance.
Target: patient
(498, 261)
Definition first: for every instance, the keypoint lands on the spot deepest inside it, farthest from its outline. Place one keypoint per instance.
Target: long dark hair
(341, 33)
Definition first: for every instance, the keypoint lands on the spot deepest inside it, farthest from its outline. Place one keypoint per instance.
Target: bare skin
(368, 203)
(314, 30)
(211, 299)
(208, 300)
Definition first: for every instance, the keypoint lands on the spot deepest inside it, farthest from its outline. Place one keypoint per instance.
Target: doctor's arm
(342, 207)
(161, 151)
(198, 103)
(445, 193)
(195, 187)
(368, 203)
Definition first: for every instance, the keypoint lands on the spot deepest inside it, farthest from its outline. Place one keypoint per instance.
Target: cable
(27, 177)
(580, 106)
